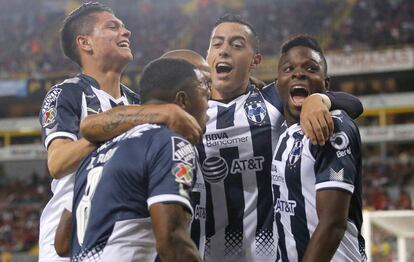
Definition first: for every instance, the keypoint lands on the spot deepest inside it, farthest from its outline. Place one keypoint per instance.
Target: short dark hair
(162, 78)
(306, 41)
(78, 22)
(232, 18)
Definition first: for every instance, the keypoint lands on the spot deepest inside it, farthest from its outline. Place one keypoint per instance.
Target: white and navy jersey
(64, 107)
(236, 157)
(299, 170)
(115, 187)
(198, 201)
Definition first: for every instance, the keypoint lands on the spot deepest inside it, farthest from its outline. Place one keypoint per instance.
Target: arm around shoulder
(104, 126)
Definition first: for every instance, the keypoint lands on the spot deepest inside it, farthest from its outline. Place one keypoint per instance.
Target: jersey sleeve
(171, 172)
(60, 114)
(271, 95)
(347, 102)
(338, 163)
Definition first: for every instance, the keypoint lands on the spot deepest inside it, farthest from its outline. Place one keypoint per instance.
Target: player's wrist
(325, 99)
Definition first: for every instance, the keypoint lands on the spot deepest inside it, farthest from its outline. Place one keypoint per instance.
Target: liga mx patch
(183, 151)
(183, 174)
(255, 108)
(49, 106)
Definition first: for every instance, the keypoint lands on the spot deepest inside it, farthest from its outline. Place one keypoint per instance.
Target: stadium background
(370, 51)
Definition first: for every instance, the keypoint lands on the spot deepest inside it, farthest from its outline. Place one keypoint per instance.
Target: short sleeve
(171, 171)
(61, 113)
(338, 163)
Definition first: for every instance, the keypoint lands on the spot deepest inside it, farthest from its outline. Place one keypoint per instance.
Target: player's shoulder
(70, 86)
(342, 121)
(132, 96)
(270, 93)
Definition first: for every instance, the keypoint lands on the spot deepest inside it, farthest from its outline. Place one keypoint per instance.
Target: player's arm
(332, 207)
(104, 126)
(315, 118)
(64, 234)
(170, 224)
(64, 155)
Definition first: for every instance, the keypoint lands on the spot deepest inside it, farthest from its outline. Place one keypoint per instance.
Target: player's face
(110, 40)
(300, 74)
(231, 56)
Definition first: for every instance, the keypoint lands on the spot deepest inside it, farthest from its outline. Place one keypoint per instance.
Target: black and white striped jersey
(236, 157)
(299, 170)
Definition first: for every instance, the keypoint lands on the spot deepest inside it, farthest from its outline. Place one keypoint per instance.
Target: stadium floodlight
(397, 222)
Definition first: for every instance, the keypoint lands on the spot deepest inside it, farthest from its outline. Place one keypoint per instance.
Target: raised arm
(170, 224)
(332, 207)
(104, 126)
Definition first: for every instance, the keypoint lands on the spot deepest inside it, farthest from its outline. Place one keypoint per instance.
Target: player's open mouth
(124, 43)
(298, 94)
(223, 69)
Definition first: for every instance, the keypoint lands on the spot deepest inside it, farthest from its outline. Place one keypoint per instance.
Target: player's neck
(108, 81)
(221, 95)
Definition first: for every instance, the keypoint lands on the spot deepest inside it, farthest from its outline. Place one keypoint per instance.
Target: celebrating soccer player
(317, 189)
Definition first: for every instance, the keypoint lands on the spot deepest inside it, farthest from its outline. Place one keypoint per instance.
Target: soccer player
(317, 189)
(98, 42)
(131, 197)
(241, 135)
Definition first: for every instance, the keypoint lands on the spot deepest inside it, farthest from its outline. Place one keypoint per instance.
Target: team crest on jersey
(255, 108)
(183, 151)
(183, 174)
(49, 106)
(295, 153)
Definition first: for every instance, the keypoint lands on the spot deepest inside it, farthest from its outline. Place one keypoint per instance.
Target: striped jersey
(299, 170)
(116, 185)
(63, 108)
(236, 159)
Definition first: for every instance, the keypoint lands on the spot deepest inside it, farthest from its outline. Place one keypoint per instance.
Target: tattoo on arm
(112, 120)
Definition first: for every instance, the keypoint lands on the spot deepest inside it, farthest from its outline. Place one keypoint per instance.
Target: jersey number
(84, 207)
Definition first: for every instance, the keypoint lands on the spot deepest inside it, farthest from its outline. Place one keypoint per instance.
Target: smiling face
(231, 56)
(109, 40)
(301, 72)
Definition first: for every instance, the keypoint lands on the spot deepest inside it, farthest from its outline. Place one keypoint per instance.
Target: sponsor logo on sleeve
(183, 151)
(340, 142)
(49, 107)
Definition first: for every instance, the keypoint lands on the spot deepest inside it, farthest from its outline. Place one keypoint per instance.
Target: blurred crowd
(29, 43)
(20, 204)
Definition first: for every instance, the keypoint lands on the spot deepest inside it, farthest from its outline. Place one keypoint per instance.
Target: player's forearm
(64, 157)
(324, 242)
(347, 102)
(178, 247)
(104, 126)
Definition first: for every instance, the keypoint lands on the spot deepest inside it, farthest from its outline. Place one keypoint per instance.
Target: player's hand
(316, 120)
(183, 123)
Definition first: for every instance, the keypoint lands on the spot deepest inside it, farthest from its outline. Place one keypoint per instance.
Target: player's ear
(257, 58)
(181, 99)
(83, 43)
